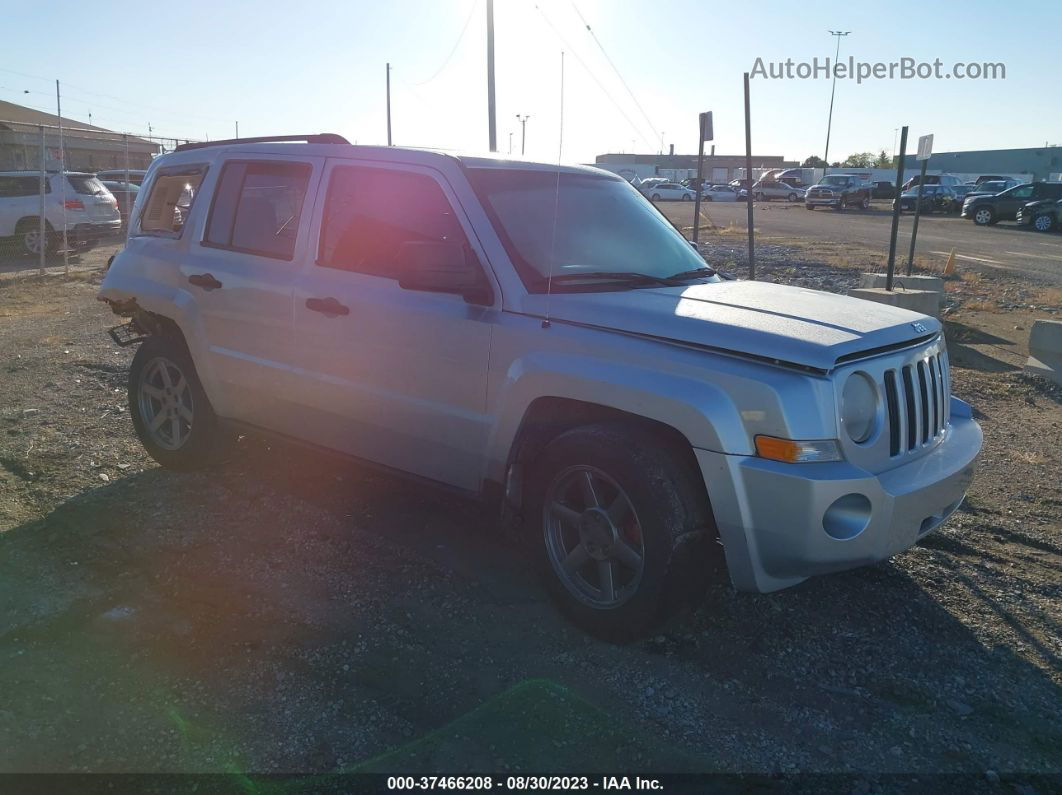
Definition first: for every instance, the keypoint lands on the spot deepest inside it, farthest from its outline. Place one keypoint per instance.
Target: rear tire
(627, 552)
(865, 204)
(171, 413)
(28, 231)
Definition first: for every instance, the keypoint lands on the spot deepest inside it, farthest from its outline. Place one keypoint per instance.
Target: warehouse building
(717, 168)
(88, 148)
(1043, 163)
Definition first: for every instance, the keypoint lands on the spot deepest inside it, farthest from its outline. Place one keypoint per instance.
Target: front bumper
(822, 201)
(777, 526)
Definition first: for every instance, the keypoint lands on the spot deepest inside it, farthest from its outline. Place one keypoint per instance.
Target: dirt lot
(292, 613)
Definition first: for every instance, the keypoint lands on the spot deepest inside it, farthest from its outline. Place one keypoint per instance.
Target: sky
(634, 82)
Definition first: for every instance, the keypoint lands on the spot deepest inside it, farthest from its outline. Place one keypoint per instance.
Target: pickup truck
(839, 191)
(541, 338)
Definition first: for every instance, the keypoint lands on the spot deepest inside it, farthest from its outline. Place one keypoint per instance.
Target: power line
(597, 41)
(460, 37)
(594, 77)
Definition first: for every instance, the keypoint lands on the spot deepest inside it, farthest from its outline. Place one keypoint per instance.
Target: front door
(395, 376)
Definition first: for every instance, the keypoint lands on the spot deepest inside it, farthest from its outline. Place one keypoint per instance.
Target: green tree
(858, 160)
(884, 160)
(813, 162)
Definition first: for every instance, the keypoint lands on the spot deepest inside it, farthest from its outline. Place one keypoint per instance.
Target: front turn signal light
(794, 452)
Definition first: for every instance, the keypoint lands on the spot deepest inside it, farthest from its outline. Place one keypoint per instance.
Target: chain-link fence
(66, 192)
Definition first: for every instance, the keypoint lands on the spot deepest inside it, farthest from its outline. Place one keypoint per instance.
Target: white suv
(541, 337)
(90, 211)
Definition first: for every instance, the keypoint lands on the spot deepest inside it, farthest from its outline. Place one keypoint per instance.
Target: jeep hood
(787, 325)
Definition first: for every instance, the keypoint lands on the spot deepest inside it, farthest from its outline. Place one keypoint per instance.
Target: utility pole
(237, 130)
(510, 142)
(389, 104)
(748, 176)
(829, 120)
(62, 178)
(492, 126)
(523, 131)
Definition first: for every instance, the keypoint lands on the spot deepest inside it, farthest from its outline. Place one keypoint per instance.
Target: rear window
(88, 186)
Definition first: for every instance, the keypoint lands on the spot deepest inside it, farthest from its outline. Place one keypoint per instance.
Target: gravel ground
(293, 613)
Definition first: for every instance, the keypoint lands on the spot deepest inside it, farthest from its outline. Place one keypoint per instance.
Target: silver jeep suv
(540, 337)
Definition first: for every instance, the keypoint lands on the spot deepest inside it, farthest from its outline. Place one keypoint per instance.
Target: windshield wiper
(696, 273)
(625, 277)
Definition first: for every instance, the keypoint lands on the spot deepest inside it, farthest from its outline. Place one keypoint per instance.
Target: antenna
(556, 197)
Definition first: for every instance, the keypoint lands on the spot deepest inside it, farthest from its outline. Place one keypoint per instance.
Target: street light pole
(492, 127)
(523, 131)
(829, 120)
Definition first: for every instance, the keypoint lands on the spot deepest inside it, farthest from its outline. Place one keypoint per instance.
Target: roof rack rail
(313, 138)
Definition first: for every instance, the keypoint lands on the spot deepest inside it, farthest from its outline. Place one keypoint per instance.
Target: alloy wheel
(164, 399)
(983, 216)
(593, 537)
(1043, 223)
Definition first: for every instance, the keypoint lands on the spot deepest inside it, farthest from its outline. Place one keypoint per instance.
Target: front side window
(169, 204)
(257, 207)
(371, 212)
(1021, 192)
(567, 225)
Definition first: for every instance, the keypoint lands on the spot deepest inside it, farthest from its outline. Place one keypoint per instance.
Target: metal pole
(833, 90)
(389, 104)
(896, 210)
(62, 179)
(491, 122)
(523, 131)
(237, 130)
(748, 176)
(918, 212)
(700, 183)
(43, 224)
(128, 193)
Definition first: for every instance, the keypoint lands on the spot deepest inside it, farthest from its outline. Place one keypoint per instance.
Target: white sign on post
(707, 133)
(925, 147)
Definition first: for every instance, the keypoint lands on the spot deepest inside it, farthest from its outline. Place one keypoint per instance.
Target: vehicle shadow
(961, 338)
(293, 612)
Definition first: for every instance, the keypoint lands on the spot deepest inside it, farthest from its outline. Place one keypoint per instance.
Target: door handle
(329, 306)
(204, 280)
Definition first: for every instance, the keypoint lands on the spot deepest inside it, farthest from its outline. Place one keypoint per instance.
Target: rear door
(391, 375)
(1008, 203)
(241, 273)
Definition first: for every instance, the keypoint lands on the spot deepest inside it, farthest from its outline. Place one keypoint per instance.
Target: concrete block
(926, 302)
(934, 284)
(1045, 348)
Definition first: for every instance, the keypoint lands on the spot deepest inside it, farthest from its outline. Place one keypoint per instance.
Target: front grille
(917, 400)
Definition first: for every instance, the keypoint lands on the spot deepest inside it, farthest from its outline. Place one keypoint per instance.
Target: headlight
(859, 407)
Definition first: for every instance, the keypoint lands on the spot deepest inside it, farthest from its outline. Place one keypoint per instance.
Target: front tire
(791, 197)
(656, 197)
(984, 216)
(1043, 223)
(685, 198)
(171, 413)
(619, 524)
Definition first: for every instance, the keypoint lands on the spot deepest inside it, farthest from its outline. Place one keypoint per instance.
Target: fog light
(847, 517)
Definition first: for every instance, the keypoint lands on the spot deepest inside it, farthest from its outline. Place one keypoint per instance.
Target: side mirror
(440, 266)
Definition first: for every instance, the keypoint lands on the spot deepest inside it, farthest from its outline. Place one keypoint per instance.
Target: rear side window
(371, 212)
(257, 207)
(11, 187)
(173, 192)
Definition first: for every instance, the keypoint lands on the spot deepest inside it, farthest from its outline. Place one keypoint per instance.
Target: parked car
(125, 194)
(948, 180)
(988, 188)
(960, 193)
(935, 198)
(1042, 215)
(719, 193)
(739, 184)
(839, 191)
(883, 189)
(670, 191)
(995, 178)
(89, 210)
(766, 190)
(985, 210)
(133, 175)
(534, 335)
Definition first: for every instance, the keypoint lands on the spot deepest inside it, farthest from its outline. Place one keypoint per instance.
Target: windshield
(602, 225)
(842, 181)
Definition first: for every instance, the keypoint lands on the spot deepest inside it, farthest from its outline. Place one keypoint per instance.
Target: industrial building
(717, 168)
(88, 148)
(1042, 163)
